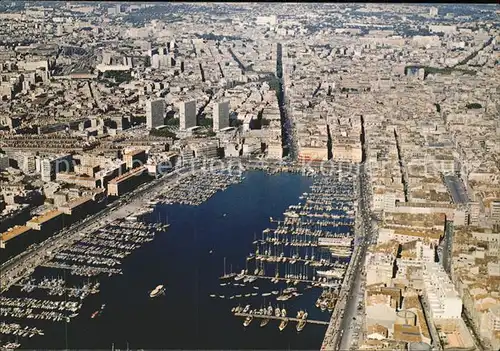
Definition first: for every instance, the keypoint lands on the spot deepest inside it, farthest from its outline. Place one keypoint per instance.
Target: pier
(315, 283)
(62, 289)
(312, 263)
(82, 270)
(291, 319)
(198, 188)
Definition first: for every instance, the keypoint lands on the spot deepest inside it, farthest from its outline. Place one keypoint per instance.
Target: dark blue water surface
(186, 317)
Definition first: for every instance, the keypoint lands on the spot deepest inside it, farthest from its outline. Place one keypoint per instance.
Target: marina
(57, 286)
(311, 244)
(198, 188)
(94, 256)
(17, 329)
(286, 270)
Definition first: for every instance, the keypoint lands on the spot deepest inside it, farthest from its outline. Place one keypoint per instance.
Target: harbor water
(188, 259)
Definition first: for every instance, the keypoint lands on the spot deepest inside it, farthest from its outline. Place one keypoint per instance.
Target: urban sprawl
(103, 103)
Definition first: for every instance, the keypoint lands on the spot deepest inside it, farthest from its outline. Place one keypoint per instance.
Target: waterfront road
(354, 311)
(342, 333)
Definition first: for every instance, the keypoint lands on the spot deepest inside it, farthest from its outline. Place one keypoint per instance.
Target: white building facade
(444, 301)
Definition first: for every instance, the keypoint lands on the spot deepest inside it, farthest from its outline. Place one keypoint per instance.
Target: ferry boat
(157, 291)
(283, 324)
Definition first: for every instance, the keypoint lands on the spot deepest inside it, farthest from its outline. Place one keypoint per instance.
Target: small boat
(283, 297)
(301, 325)
(247, 307)
(212, 295)
(251, 279)
(95, 314)
(266, 294)
(323, 306)
(283, 313)
(283, 324)
(157, 291)
(264, 322)
(275, 292)
(277, 312)
(222, 296)
(222, 284)
(240, 276)
(247, 321)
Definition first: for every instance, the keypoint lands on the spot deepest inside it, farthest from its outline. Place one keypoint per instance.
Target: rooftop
(13, 232)
(45, 217)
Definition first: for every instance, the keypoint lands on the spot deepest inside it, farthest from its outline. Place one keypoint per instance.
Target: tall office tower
(187, 112)
(433, 11)
(154, 113)
(221, 115)
(118, 9)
